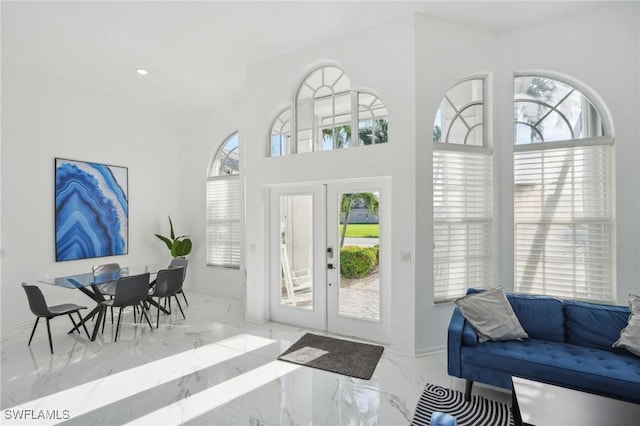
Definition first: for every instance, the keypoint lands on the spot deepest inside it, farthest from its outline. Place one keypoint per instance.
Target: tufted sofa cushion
(542, 317)
(593, 325)
(585, 368)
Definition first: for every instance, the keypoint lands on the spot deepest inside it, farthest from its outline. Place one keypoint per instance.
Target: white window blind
(564, 221)
(462, 215)
(223, 221)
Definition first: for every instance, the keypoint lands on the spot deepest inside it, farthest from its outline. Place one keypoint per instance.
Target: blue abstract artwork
(92, 210)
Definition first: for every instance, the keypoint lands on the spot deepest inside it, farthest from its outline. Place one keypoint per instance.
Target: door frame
(324, 312)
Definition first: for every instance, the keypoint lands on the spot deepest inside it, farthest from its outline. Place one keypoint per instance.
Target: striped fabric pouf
(477, 412)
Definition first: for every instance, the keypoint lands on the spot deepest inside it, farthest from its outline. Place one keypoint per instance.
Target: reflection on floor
(212, 368)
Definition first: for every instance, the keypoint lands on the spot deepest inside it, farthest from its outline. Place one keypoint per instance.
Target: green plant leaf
(181, 247)
(178, 246)
(173, 236)
(167, 241)
(185, 247)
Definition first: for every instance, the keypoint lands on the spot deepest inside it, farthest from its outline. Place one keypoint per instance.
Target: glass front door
(358, 252)
(297, 241)
(330, 263)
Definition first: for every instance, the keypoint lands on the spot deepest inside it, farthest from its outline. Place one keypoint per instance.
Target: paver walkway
(359, 297)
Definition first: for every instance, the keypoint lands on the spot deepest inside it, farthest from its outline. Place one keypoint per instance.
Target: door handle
(330, 266)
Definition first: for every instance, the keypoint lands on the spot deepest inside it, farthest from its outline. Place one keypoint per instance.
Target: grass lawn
(362, 230)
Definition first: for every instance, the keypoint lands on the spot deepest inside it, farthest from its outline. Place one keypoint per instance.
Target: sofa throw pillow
(491, 315)
(630, 335)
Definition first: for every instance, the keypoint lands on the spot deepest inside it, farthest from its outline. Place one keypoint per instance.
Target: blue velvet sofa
(569, 345)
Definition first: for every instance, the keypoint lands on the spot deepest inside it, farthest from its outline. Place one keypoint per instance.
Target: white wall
(45, 118)
(445, 53)
(271, 85)
(601, 49)
(203, 135)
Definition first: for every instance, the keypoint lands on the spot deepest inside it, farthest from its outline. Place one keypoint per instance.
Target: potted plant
(178, 246)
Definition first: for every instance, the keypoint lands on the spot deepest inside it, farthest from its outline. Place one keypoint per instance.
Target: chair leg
(33, 331)
(178, 302)
(118, 326)
(96, 327)
(145, 317)
(49, 332)
(74, 323)
(184, 296)
(158, 314)
(84, 325)
(104, 319)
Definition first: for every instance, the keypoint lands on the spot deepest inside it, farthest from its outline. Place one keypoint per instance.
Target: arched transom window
(460, 118)
(326, 111)
(548, 110)
(227, 159)
(281, 134)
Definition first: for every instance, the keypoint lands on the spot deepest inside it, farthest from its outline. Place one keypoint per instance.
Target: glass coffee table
(540, 404)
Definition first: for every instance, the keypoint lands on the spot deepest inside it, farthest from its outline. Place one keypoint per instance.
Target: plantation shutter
(462, 215)
(223, 221)
(564, 220)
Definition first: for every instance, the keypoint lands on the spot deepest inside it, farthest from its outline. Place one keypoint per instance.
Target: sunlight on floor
(90, 396)
(196, 405)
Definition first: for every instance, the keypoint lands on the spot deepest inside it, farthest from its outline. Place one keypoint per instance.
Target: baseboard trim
(16, 326)
(430, 351)
(215, 292)
(419, 353)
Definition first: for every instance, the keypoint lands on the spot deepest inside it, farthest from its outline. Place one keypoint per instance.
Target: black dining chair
(168, 284)
(181, 262)
(130, 291)
(39, 307)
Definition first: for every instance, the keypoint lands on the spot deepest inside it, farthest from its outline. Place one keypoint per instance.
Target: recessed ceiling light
(142, 72)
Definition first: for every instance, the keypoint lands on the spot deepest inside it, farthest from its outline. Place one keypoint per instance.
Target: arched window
(462, 193)
(548, 110)
(460, 118)
(563, 200)
(326, 111)
(280, 140)
(372, 120)
(223, 205)
(323, 108)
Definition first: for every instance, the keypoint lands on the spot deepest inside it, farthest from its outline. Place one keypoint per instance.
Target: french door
(330, 260)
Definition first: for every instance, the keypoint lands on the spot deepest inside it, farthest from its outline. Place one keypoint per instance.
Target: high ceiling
(195, 52)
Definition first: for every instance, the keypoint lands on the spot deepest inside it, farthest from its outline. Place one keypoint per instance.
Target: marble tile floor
(211, 369)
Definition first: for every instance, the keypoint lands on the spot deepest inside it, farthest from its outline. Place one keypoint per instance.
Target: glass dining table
(88, 283)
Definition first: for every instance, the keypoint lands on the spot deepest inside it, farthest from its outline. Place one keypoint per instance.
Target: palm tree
(368, 199)
(541, 90)
(437, 133)
(339, 136)
(380, 132)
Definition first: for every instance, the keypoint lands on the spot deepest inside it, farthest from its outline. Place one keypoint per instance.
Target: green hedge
(376, 251)
(356, 262)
